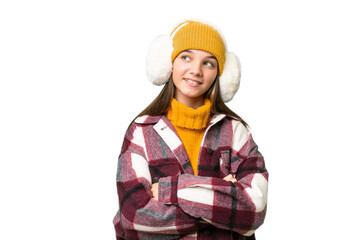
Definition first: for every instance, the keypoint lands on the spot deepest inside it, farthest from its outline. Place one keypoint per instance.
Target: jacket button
(210, 151)
(155, 179)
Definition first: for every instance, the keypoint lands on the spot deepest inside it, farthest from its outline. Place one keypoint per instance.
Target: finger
(228, 177)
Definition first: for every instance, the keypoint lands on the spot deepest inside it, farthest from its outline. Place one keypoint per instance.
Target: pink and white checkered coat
(190, 207)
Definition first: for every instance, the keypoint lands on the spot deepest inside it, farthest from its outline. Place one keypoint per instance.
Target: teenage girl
(188, 167)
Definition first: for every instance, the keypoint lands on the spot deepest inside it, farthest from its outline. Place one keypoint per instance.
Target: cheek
(210, 77)
(175, 74)
(178, 68)
(179, 71)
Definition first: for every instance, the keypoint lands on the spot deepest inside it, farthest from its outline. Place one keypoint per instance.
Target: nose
(196, 68)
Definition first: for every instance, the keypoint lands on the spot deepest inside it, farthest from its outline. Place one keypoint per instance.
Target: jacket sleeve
(239, 206)
(139, 215)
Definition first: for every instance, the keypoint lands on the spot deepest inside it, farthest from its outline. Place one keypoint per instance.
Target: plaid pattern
(190, 207)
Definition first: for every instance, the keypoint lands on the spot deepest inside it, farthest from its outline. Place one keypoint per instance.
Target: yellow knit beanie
(200, 36)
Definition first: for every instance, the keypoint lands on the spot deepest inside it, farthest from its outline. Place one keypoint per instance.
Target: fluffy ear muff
(230, 78)
(158, 61)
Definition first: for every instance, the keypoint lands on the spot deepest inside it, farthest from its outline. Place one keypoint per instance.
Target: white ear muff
(230, 78)
(158, 61)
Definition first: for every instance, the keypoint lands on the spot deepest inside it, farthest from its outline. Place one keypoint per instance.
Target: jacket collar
(146, 119)
(167, 132)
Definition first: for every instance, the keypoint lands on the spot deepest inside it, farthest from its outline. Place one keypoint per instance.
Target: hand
(155, 191)
(230, 178)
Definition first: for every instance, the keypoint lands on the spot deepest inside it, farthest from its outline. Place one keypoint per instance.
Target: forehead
(199, 53)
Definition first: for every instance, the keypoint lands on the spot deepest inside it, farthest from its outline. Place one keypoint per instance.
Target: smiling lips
(192, 82)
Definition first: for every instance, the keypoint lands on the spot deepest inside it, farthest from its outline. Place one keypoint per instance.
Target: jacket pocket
(229, 165)
(224, 161)
(164, 168)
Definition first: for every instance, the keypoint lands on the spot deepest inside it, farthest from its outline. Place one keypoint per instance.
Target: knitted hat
(193, 35)
(200, 36)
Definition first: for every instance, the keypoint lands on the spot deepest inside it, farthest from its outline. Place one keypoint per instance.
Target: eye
(209, 64)
(186, 58)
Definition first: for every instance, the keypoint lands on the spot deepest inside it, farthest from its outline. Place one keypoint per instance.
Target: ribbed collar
(183, 116)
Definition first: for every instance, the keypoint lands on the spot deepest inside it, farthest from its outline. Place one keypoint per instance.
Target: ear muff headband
(159, 58)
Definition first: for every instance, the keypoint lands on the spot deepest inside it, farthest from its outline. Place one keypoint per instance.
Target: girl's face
(194, 71)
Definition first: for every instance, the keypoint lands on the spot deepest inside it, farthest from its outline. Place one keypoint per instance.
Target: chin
(194, 96)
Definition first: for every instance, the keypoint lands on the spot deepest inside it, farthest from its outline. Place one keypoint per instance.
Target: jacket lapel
(215, 119)
(168, 133)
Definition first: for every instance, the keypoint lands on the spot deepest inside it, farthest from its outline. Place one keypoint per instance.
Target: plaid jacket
(190, 207)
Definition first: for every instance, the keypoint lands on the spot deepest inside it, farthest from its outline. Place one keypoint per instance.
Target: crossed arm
(185, 204)
(155, 186)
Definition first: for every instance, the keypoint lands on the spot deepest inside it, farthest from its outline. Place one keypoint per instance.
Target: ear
(158, 61)
(230, 78)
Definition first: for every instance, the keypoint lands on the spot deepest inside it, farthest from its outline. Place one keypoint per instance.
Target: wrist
(168, 187)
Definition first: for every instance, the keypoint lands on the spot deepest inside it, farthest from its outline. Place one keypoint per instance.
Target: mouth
(192, 82)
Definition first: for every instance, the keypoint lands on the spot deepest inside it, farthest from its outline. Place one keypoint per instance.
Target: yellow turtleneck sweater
(190, 124)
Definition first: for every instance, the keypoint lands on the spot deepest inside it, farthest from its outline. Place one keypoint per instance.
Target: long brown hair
(161, 104)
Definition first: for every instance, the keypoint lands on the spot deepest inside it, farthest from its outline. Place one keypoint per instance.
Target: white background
(73, 77)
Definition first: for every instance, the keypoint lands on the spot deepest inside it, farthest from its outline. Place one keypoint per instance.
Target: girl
(188, 167)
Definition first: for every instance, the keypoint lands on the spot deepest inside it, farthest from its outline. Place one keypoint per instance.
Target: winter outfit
(188, 152)
(190, 207)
